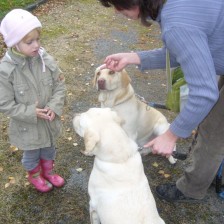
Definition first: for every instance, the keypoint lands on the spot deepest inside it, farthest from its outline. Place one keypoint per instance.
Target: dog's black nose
(101, 84)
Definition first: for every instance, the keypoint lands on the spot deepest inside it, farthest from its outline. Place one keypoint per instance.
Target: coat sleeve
(191, 49)
(56, 102)
(8, 105)
(155, 59)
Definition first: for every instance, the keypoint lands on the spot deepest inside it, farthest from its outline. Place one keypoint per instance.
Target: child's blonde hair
(30, 33)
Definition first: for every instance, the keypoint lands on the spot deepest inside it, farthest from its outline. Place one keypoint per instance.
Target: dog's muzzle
(101, 84)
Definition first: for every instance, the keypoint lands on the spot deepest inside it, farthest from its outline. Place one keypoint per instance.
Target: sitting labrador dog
(141, 122)
(118, 188)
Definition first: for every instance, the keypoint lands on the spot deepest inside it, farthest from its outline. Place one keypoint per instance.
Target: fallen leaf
(7, 185)
(75, 144)
(69, 138)
(161, 172)
(13, 181)
(155, 164)
(79, 169)
(13, 148)
(166, 175)
(68, 130)
(1, 169)
(27, 184)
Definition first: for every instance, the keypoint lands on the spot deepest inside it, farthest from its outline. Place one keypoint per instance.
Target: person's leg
(208, 153)
(48, 153)
(47, 164)
(30, 159)
(31, 162)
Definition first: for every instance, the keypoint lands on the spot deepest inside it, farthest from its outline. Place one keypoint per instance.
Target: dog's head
(91, 123)
(106, 79)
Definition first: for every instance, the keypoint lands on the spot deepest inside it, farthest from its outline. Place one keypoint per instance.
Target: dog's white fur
(141, 122)
(118, 188)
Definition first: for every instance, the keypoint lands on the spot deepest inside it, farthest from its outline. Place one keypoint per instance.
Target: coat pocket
(23, 134)
(22, 93)
(47, 85)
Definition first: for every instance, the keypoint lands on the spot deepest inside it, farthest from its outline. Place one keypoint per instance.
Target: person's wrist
(135, 59)
(172, 135)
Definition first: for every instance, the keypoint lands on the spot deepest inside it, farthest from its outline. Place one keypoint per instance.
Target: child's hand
(42, 113)
(51, 114)
(45, 113)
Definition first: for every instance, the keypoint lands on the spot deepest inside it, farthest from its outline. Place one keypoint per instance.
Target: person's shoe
(170, 193)
(47, 173)
(38, 181)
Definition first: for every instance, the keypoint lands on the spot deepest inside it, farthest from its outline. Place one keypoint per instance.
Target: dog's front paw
(94, 218)
(172, 160)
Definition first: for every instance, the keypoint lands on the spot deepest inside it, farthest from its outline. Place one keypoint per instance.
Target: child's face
(30, 44)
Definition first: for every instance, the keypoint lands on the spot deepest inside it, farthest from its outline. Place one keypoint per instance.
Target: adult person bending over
(193, 33)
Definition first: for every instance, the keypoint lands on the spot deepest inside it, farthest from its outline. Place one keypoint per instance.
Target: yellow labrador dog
(118, 188)
(141, 122)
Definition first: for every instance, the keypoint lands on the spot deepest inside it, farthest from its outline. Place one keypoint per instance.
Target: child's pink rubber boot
(47, 173)
(38, 181)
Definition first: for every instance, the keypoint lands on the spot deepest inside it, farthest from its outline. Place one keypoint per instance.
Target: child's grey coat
(23, 83)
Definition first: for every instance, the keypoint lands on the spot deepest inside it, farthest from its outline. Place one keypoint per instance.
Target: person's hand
(117, 62)
(50, 114)
(42, 113)
(45, 113)
(163, 144)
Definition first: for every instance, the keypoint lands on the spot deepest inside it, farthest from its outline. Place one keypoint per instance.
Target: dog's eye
(111, 72)
(98, 73)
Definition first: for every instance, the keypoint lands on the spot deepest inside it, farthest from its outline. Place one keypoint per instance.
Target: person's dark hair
(147, 7)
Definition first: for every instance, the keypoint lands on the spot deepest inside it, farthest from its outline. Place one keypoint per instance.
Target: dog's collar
(142, 99)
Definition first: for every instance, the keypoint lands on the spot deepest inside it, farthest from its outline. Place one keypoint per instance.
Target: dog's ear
(95, 75)
(125, 78)
(91, 138)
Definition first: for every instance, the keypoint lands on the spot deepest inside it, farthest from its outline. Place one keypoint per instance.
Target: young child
(32, 93)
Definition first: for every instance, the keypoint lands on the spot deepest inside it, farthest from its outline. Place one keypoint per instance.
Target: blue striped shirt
(193, 32)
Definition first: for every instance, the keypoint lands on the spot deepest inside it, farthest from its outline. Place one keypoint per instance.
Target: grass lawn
(7, 5)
